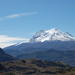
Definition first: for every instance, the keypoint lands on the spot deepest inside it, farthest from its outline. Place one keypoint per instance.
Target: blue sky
(22, 18)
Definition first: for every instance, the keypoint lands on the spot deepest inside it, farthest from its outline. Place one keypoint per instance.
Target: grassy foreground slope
(35, 67)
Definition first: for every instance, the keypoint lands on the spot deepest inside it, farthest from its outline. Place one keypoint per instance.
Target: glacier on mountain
(51, 35)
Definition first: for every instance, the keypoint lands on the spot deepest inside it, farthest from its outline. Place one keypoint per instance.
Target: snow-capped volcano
(51, 35)
(52, 45)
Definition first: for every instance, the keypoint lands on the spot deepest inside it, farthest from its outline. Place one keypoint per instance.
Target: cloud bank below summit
(7, 40)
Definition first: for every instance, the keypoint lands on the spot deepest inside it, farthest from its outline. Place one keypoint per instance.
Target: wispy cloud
(7, 41)
(18, 15)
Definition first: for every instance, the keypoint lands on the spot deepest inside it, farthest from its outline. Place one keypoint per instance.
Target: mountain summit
(51, 35)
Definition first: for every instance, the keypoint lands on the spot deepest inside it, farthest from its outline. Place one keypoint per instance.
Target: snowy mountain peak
(53, 30)
(51, 35)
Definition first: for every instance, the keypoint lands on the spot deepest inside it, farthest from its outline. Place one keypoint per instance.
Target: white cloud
(18, 15)
(2, 45)
(7, 41)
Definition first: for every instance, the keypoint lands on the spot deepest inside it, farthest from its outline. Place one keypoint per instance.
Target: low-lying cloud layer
(7, 41)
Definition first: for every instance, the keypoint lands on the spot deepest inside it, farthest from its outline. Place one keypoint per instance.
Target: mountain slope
(52, 55)
(40, 46)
